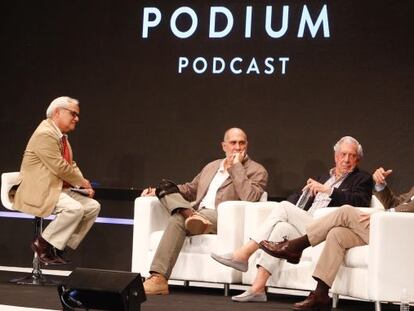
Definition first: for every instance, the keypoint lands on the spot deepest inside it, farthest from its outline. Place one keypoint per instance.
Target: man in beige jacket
(236, 177)
(48, 176)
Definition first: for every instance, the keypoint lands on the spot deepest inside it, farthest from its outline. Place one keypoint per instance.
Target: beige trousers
(174, 235)
(341, 230)
(75, 215)
(285, 220)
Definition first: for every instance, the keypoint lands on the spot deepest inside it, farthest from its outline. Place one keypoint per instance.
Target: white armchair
(353, 276)
(379, 271)
(194, 262)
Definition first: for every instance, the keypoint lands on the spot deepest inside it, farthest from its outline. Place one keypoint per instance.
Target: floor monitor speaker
(101, 290)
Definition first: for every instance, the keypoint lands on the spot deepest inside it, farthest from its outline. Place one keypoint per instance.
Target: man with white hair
(49, 179)
(345, 184)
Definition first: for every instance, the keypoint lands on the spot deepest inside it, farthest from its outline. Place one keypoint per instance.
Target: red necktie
(65, 150)
(66, 155)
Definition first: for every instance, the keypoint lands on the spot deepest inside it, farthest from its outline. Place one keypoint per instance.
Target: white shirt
(210, 197)
(323, 199)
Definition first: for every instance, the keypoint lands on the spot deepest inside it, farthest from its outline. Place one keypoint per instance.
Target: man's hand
(91, 192)
(316, 187)
(86, 184)
(380, 175)
(236, 157)
(149, 192)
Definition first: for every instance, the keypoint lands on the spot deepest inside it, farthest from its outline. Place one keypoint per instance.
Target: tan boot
(156, 284)
(197, 224)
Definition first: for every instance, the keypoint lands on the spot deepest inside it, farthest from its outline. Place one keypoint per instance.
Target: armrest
(255, 214)
(391, 256)
(325, 211)
(149, 216)
(230, 225)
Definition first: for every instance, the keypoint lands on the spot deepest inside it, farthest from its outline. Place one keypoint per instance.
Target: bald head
(234, 142)
(234, 131)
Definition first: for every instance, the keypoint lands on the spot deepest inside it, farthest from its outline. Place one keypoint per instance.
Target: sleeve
(189, 189)
(401, 203)
(357, 194)
(249, 182)
(294, 197)
(48, 151)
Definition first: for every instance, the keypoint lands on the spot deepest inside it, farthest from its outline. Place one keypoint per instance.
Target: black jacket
(355, 190)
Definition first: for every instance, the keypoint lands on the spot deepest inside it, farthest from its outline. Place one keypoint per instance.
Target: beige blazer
(43, 171)
(247, 182)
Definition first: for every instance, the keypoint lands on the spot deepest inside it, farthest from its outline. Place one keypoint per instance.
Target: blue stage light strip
(101, 220)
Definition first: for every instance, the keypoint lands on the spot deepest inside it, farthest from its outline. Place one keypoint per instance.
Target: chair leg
(37, 277)
(335, 300)
(226, 289)
(377, 305)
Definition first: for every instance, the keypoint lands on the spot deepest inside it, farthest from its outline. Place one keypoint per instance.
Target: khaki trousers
(174, 235)
(285, 220)
(75, 215)
(342, 230)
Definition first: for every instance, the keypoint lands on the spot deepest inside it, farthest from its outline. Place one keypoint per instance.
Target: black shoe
(166, 187)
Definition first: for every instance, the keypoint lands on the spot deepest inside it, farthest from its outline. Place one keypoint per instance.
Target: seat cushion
(201, 244)
(307, 254)
(357, 257)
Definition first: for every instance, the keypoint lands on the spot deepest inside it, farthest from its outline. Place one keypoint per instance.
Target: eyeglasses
(72, 112)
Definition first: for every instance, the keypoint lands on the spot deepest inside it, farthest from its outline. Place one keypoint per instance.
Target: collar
(332, 174)
(60, 134)
(221, 167)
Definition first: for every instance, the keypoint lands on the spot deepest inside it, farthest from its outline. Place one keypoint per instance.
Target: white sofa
(194, 262)
(376, 272)
(381, 270)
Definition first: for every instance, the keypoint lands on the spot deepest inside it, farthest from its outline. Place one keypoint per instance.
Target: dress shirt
(210, 197)
(323, 199)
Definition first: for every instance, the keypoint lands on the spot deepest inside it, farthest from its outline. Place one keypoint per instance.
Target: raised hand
(380, 175)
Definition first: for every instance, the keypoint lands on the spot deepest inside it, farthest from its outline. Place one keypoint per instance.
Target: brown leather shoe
(60, 256)
(313, 303)
(45, 252)
(197, 224)
(280, 250)
(156, 284)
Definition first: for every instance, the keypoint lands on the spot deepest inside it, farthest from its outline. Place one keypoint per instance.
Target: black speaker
(102, 290)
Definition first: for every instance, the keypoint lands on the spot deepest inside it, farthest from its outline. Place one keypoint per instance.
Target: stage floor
(181, 298)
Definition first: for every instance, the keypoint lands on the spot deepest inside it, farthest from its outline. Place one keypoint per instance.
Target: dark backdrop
(141, 120)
